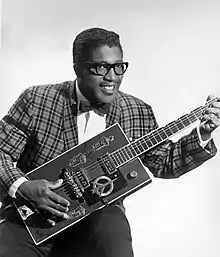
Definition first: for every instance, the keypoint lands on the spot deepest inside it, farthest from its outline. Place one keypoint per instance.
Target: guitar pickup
(81, 179)
(107, 164)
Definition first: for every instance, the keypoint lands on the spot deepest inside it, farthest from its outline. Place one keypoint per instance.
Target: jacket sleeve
(172, 159)
(14, 129)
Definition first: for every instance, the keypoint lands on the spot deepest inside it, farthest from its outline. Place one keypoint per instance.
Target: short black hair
(90, 39)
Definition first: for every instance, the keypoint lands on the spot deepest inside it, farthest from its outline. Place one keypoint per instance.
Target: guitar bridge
(76, 183)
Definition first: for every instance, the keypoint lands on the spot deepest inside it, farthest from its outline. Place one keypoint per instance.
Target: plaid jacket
(42, 124)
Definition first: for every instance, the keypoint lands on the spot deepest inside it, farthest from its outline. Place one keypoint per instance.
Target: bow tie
(100, 109)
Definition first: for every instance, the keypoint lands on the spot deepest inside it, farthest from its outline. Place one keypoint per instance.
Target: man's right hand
(40, 194)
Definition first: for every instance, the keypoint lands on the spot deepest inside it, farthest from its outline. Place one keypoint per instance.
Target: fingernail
(51, 222)
(65, 216)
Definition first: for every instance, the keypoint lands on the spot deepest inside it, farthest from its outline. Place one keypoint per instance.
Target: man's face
(101, 88)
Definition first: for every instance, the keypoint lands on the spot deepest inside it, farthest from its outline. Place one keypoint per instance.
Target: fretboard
(148, 141)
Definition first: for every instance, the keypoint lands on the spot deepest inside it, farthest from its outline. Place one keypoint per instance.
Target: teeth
(109, 87)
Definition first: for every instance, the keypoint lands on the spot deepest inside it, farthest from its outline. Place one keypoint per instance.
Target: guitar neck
(145, 143)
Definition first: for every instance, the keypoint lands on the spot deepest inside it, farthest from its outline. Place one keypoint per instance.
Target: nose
(110, 76)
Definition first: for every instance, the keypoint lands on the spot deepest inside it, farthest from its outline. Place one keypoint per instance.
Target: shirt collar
(81, 98)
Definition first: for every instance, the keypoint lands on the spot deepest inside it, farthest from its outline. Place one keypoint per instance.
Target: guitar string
(136, 148)
(95, 165)
(196, 112)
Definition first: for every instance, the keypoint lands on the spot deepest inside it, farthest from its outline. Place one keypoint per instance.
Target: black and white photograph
(109, 128)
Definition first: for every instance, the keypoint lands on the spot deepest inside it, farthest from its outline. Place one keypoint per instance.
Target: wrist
(21, 189)
(14, 187)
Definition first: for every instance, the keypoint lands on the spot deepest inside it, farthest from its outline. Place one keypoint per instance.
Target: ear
(78, 70)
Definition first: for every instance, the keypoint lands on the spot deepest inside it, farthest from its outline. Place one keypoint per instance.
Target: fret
(137, 149)
(158, 137)
(173, 127)
(198, 112)
(117, 158)
(140, 145)
(144, 143)
(163, 133)
(121, 155)
(126, 153)
(179, 124)
(129, 151)
(148, 142)
(153, 140)
(113, 157)
(133, 151)
(185, 120)
(169, 132)
(193, 116)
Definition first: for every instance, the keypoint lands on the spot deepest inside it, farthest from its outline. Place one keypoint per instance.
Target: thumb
(55, 184)
(210, 97)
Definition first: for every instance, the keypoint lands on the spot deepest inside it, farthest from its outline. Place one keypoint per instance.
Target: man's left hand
(210, 119)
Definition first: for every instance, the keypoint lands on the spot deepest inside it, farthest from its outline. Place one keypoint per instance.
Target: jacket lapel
(70, 128)
(113, 115)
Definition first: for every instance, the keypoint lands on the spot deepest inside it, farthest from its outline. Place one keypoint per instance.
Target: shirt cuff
(14, 187)
(202, 143)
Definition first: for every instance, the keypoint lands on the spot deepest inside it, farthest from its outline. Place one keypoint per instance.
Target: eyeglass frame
(94, 65)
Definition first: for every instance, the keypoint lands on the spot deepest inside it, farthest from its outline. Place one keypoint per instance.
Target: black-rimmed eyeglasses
(101, 69)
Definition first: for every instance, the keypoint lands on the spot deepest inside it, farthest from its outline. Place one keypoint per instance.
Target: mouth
(108, 88)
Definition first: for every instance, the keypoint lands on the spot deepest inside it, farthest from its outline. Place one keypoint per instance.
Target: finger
(212, 112)
(55, 184)
(58, 199)
(58, 206)
(210, 122)
(210, 117)
(210, 97)
(56, 213)
(216, 105)
(210, 126)
(51, 222)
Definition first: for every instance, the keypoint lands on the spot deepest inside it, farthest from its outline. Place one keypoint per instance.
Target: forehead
(106, 54)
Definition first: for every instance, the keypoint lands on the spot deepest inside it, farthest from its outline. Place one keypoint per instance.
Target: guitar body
(92, 179)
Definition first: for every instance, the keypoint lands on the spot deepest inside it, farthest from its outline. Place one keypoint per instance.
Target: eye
(101, 66)
(119, 68)
(92, 69)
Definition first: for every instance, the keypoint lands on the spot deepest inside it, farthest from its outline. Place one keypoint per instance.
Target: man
(47, 120)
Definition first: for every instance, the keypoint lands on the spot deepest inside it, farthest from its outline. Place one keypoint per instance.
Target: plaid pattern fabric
(42, 124)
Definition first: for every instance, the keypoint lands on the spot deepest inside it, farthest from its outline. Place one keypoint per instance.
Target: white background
(173, 51)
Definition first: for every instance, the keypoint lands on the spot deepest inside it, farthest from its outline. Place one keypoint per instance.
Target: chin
(108, 99)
